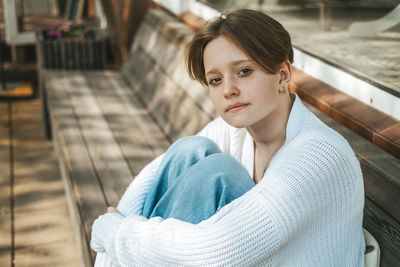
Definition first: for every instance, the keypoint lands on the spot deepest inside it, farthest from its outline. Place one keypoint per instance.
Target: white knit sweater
(306, 211)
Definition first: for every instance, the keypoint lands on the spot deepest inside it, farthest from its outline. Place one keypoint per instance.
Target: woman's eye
(244, 71)
(214, 81)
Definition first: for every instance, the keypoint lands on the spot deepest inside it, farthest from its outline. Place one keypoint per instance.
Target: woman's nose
(230, 88)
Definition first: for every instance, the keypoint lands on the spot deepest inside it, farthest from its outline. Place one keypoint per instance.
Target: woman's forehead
(222, 51)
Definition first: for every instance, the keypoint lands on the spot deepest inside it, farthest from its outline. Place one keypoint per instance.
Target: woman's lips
(236, 107)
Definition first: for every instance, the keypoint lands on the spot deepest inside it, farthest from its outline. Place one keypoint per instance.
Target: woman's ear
(285, 73)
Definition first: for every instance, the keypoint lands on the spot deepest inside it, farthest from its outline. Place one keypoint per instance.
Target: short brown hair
(257, 34)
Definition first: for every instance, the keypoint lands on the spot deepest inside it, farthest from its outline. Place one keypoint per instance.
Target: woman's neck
(272, 129)
(269, 135)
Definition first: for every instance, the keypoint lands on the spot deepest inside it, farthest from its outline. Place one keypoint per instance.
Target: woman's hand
(109, 210)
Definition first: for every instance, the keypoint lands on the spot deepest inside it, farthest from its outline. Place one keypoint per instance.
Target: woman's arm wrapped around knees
(135, 195)
(240, 234)
(307, 208)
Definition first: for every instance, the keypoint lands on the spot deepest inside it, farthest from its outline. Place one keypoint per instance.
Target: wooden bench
(108, 125)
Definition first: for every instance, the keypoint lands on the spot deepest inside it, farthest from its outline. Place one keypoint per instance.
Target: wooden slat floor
(35, 226)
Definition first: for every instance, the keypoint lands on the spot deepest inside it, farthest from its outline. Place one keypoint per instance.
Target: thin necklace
(269, 160)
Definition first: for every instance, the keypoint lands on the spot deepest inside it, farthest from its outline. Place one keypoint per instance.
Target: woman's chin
(237, 123)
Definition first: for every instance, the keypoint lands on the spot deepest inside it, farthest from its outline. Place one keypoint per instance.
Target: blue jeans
(194, 181)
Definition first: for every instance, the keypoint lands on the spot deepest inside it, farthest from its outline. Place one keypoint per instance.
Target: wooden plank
(136, 68)
(386, 231)
(382, 190)
(157, 18)
(108, 160)
(44, 227)
(91, 8)
(41, 214)
(112, 10)
(172, 97)
(80, 205)
(5, 190)
(5, 240)
(38, 256)
(168, 102)
(168, 53)
(182, 122)
(159, 50)
(139, 138)
(170, 105)
(5, 159)
(134, 12)
(84, 193)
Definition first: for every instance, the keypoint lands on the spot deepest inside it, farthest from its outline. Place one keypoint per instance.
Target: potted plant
(71, 45)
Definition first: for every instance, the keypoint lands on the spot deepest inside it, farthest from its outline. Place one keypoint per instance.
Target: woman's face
(242, 93)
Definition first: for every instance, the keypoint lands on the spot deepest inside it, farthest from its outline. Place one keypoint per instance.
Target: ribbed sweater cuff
(103, 230)
(104, 260)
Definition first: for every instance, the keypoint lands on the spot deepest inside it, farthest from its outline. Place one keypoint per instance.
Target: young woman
(266, 183)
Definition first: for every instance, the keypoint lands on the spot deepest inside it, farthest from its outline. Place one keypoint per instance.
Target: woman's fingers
(111, 209)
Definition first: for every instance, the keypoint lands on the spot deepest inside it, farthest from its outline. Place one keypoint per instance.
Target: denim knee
(186, 146)
(220, 168)
(203, 188)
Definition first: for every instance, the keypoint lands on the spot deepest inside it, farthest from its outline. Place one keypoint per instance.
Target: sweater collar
(297, 116)
(295, 123)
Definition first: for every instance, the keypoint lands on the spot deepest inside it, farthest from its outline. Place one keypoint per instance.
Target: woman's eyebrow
(233, 64)
(213, 71)
(238, 62)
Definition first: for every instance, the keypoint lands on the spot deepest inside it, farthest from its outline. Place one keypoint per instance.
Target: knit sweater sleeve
(240, 234)
(311, 194)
